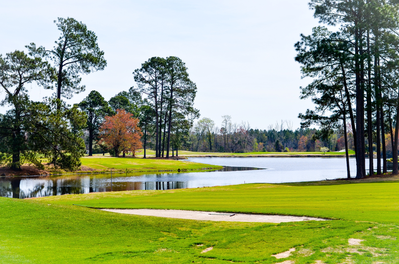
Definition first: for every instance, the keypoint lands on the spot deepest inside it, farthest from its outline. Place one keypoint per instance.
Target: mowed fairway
(63, 230)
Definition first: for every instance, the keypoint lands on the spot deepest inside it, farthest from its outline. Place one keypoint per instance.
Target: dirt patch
(354, 241)
(214, 216)
(305, 252)
(85, 168)
(356, 248)
(25, 170)
(386, 237)
(206, 250)
(285, 254)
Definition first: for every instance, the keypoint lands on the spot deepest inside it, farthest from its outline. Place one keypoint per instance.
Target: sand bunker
(214, 216)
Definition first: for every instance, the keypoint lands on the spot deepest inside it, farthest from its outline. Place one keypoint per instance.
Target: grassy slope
(377, 202)
(143, 165)
(64, 233)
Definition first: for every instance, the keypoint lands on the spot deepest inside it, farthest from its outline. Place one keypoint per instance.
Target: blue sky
(240, 53)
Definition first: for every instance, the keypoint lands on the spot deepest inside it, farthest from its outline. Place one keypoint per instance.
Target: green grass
(375, 202)
(143, 165)
(57, 230)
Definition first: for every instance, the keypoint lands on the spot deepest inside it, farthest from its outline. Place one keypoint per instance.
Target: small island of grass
(136, 165)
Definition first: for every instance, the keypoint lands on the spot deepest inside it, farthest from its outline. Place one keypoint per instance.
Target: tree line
(161, 105)
(354, 75)
(206, 136)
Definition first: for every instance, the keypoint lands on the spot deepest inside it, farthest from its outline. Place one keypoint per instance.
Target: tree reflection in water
(39, 187)
(28, 187)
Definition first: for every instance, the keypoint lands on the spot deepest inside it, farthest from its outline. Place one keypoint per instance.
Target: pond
(271, 170)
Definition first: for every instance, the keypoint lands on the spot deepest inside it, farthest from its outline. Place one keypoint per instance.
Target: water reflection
(30, 187)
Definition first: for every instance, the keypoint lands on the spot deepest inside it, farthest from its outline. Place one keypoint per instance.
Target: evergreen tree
(96, 108)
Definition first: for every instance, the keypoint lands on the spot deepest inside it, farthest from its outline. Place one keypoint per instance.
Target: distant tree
(76, 52)
(242, 141)
(319, 145)
(181, 129)
(151, 82)
(122, 102)
(135, 100)
(166, 85)
(146, 120)
(226, 130)
(121, 132)
(302, 143)
(324, 149)
(96, 108)
(278, 146)
(205, 126)
(181, 93)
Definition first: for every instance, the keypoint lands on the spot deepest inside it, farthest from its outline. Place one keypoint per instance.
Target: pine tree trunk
(170, 119)
(16, 142)
(90, 142)
(348, 172)
(160, 120)
(378, 103)
(395, 145)
(145, 141)
(16, 161)
(164, 135)
(156, 128)
(378, 141)
(210, 141)
(391, 128)
(360, 151)
(369, 109)
(384, 149)
(59, 76)
(348, 99)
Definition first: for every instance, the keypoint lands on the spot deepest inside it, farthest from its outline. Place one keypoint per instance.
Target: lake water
(272, 170)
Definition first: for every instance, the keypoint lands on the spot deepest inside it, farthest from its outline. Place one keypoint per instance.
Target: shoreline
(98, 172)
(269, 156)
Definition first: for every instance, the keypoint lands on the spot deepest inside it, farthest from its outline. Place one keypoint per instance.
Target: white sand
(214, 216)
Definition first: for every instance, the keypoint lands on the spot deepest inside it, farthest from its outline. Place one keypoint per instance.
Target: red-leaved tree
(121, 133)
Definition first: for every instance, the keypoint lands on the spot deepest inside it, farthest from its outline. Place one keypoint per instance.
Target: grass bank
(54, 230)
(99, 164)
(135, 165)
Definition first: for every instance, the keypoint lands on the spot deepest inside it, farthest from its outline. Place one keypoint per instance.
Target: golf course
(212, 132)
